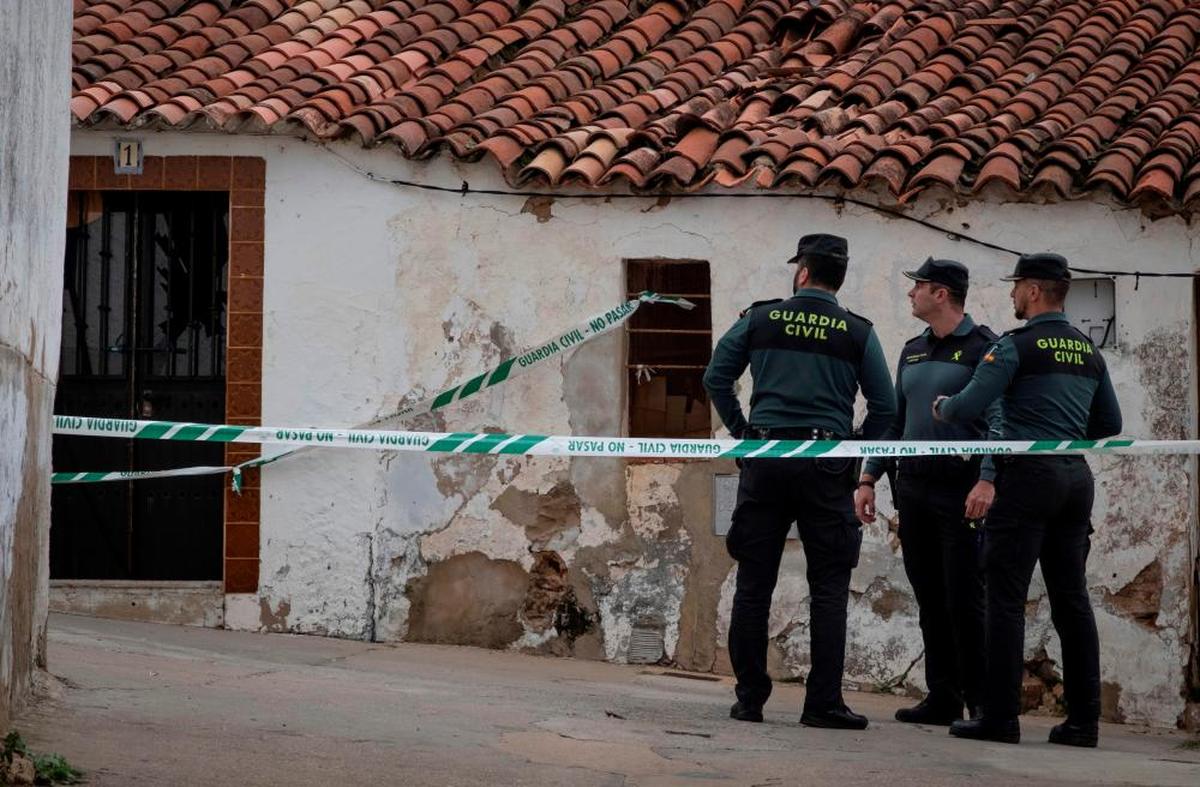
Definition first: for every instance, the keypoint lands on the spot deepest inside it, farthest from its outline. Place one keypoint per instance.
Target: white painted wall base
(243, 612)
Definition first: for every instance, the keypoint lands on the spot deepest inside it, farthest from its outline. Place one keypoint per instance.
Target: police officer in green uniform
(808, 357)
(940, 498)
(1055, 386)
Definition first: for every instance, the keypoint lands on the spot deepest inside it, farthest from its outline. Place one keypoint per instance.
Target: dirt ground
(147, 704)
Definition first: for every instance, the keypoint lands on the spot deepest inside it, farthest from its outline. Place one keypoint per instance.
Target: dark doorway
(144, 322)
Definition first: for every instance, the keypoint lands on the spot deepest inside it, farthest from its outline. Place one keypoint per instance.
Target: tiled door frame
(244, 179)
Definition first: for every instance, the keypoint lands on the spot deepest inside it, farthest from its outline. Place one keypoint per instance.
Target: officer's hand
(980, 499)
(936, 415)
(864, 504)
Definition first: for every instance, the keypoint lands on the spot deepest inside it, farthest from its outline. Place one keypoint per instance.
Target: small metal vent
(646, 641)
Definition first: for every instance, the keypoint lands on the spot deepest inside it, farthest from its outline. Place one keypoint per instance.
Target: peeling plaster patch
(880, 650)
(1110, 702)
(544, 516)
(887, 600)
(647, 570)
(651, 492)
(552, 613)
(548, 587)
(539, 207)
(276, 620)
(1161, 358)
(468, 600)
(397, 563)
(502, 337)
(494, 536)
(324, 581)
(652, 588)
(534, 640)
(462, 476)
(708, 566)
(1142, 597)
(1141, 495)
(1041, 684)
(594, 529)
(1139, 660)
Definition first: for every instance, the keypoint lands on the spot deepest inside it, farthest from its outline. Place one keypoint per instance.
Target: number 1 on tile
(127, 157)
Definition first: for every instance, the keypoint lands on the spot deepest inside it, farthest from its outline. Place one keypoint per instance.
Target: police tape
(547, 350)
(596, 325)
(135, 475)
(499, 443)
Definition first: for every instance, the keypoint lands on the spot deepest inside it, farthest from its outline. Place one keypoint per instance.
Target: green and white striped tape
(592, 327)
(562, 445)
(137, 475)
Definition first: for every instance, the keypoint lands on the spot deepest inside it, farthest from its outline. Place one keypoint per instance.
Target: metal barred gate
(144, 323)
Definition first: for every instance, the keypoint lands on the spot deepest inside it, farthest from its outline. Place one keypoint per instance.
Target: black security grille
(144, 317)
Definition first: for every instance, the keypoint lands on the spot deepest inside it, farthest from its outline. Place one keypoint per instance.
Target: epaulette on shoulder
(1014, 331)
(918, 337)
(746, 310)
(987, 333)
(858, 316)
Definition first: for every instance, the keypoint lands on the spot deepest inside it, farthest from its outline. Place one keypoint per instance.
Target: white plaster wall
(374, 291)
(34, 84)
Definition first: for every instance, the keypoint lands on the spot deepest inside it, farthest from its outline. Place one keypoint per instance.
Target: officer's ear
(803, 274)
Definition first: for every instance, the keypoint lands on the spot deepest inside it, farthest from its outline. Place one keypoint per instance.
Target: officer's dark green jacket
(1054, 382)
(930, 367)
(808, 357)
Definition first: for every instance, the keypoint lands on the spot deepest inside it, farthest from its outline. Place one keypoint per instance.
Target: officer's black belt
(1005, 460)
(935, 465)
(789, 433)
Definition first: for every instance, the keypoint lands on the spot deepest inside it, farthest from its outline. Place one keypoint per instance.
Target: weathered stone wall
(374, 291)
(34, 73)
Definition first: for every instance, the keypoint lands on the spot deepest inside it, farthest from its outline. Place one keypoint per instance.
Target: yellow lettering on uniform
(1042, 344)
(807, 318)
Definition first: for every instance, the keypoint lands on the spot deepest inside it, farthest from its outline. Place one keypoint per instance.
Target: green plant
(13, 745)
(48, 768)
(54, 769)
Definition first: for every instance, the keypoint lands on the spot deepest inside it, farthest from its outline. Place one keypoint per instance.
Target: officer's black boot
(1069, 733)
(932, 710)
(836, 719)
(745, 712)
(985, 729)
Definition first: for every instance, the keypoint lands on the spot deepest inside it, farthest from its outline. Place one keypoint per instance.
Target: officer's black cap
(833, 247)
(1043, 265)
(948, 273)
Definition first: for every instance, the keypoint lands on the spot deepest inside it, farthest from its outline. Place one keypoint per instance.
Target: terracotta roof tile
(1050, 98)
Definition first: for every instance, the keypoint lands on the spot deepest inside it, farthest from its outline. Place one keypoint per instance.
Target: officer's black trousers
(1042, 512)
(818, 496)
(942, 561)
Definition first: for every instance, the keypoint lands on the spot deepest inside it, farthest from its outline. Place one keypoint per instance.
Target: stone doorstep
(177, 603)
